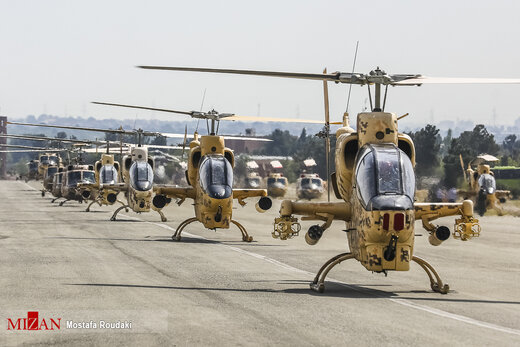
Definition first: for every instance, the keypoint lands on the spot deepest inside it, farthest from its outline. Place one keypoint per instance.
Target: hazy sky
(57, 56)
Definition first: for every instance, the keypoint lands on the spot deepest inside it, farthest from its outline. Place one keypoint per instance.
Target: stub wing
(118, 187)
(287, 226)
(175, 192)
(241, 194)
(466, 227)
(89, 186)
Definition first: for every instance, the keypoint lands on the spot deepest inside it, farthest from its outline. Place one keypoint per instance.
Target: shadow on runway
(340, 291)
(333, 289)
(185, 239)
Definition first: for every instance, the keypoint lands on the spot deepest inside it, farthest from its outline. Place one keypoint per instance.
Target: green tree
(427, 146)
(469, 144)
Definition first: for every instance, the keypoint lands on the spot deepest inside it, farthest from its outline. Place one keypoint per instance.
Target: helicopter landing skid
(436, 284)
(122, 203)
(113, 218)
(53, 200)
(64, 201)
(163, 217)
(245, 235)
(93, 202)
(318, 285)
(177, 235)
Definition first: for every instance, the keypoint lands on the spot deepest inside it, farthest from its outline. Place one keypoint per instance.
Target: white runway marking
(403, 302)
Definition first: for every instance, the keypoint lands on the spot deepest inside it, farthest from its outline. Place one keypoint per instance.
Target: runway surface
(213, 289)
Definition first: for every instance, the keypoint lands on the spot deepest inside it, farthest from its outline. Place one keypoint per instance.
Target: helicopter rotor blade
(462, 166)
(327, 130)
(455, 80)
(28, 147)
(51, 139)
(345, 77)
(186, 134)
(311, 76)
(114, 131)
(275, 119)
(143, 108)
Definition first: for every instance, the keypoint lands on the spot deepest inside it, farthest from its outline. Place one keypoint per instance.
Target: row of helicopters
(308, 185)
(374, 181)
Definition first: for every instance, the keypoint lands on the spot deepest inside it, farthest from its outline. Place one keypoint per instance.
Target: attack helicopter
(309, 185)
(137, 172)
(277, 184)
(482, 185)
(375, 179)
(210, 175)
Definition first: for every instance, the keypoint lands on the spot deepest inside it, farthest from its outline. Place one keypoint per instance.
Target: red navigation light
(398, 221)
(386, 221)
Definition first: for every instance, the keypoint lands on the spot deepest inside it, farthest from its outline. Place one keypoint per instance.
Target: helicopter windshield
(216, 177)
(385, 178)
(57, 178)
(272, 180)
(310, 181)
(253, 182)
(33, 166)
(51, 171)
(89, 177)
(487, 183)
(141, 176)
(73, 177)
(108, 174)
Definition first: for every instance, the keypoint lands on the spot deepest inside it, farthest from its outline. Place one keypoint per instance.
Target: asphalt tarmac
(213, 289)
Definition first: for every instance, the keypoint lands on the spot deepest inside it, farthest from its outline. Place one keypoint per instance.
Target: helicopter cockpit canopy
(216, 176)
(310, 183)
(49, 160)
(51, 171)
(141, 176)
(487, 183)
(385, 178)
(33, 165)
(75, 177)
(253, 182)
(108, 174)
(278, 181)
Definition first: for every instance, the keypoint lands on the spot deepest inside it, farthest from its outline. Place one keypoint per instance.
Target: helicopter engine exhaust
(85, 194)
(440, 235)
(314, 234)
(159, 201)
(111, 198)
(264, 204)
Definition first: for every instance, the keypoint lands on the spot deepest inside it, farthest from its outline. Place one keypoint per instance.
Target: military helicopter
(210, 175)
(137, 173)
(277, 184)
(482, 184)
(309, 185)
(375, 179)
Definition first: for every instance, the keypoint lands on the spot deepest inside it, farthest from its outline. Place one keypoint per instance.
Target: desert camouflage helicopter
(309, 185)
(375, 179)
(482, 185)
(37, 168)
(54, 165)
(137, 173)
(210, 175)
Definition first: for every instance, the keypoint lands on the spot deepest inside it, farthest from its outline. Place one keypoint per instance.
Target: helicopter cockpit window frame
(487, 183)
(88, 177)
(108, 174)
(385, 178)
(51, 171)
(141, 176)
(216, 176)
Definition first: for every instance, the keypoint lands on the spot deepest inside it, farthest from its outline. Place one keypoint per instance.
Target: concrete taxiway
(213, 289)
